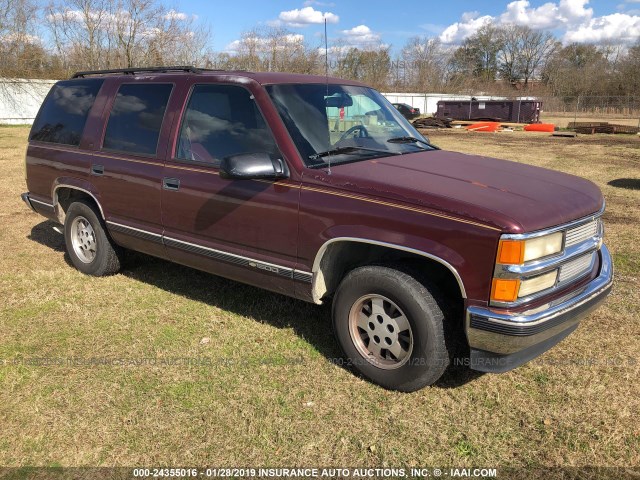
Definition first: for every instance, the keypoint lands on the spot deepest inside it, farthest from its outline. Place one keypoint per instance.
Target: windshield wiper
(408, 139)
(339, 150)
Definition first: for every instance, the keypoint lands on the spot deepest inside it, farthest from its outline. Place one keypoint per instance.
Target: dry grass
(271, 395)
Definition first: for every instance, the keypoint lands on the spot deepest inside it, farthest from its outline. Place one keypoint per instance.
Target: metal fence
(619, 106)
(556, 109)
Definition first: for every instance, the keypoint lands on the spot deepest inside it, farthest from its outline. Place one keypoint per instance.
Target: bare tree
(370, 66)
(626, 77)
(272, 49)
(21, 50)
(424, 61)
(94, 34)
(576, 70)
(178, 40)
(523, 53)
(135, 23)
(475, 63)
(80, 31)
(536, 47)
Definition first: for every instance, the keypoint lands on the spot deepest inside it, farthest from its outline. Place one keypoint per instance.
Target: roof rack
(133, 71)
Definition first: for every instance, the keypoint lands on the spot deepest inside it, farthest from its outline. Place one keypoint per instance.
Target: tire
(376, 307)
(90, 248)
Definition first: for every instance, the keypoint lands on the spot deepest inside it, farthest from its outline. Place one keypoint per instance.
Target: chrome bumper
(25, 198)
(501, 342)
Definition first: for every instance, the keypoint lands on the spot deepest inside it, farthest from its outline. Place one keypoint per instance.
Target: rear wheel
(90, 248)
(391, 328)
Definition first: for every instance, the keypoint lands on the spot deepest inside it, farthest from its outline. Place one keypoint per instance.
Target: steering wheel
(361, 129)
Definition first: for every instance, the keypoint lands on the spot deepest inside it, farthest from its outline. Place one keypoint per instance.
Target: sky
(365, 23)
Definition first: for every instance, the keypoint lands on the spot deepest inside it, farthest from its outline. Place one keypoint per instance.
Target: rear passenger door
(241, 229)
(130, 164)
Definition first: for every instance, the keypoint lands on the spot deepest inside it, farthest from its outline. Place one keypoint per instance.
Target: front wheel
(89, 247)
(391, 328)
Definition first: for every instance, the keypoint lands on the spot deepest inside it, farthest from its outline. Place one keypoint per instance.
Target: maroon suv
(319, 189)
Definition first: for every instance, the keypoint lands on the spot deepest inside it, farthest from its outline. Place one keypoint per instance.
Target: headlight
(537, 284)
(511, 289)
(516, 252)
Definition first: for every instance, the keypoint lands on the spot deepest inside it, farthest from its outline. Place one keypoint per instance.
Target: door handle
(97, 169)
(170, 183)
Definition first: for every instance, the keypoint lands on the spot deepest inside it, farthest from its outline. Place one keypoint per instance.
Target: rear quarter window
(64, 112)
(136, 118)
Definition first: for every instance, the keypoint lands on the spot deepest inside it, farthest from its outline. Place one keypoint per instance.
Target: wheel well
(343, 256)
(65, 196)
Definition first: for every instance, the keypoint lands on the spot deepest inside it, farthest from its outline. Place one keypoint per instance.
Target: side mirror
(247, 166)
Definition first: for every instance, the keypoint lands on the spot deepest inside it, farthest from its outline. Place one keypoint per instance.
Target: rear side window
(64, 112)
(220, 121)
(136, 118)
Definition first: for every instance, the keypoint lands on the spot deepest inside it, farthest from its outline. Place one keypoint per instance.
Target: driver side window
(221, 121)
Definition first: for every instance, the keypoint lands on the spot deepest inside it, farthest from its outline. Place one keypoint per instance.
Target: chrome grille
(581, 233)
(575, 268)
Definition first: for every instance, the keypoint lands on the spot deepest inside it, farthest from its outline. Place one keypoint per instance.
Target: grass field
(264, 391)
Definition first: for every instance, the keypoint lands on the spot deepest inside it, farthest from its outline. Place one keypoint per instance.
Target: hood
(511, 196)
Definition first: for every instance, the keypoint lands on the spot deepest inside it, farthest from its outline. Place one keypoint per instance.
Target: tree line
(69, 35)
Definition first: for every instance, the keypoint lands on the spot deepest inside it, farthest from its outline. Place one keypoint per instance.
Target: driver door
(240, 229)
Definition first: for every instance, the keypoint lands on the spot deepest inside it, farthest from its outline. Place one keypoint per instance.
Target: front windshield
(343, 123)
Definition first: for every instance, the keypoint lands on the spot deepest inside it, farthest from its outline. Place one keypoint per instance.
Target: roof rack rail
(133, 71)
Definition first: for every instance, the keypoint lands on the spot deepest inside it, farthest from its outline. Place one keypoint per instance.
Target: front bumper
(500, 341)
(25, 198)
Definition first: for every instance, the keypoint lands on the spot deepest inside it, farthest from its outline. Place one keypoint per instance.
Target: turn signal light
(505, 289)
(511, 252)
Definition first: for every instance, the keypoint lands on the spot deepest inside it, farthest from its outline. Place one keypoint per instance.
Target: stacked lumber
(589, 128)
(573, 125)
(430, 122)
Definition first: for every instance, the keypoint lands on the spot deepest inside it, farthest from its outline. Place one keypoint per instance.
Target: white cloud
(618, 27)
(573, 18)
(21, 38)
(263, 44)
(71, 16)
(306, 16)
(519, 13)
(460, 30)
(361, 36)
(173, 15)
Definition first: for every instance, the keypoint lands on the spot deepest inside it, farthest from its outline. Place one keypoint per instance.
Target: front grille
(581, 233)
(576, 268)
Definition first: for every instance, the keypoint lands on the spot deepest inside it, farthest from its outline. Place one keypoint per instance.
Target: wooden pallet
(586, 124)
(606, 128)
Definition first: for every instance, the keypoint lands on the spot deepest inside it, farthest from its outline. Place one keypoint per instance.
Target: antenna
(326, 75)
(326, 54)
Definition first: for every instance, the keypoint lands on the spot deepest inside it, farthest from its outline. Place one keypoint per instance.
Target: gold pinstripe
(397, 205)
(286, 184)
(98, 154)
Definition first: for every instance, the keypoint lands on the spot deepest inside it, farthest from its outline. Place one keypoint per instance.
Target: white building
(20, 99)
